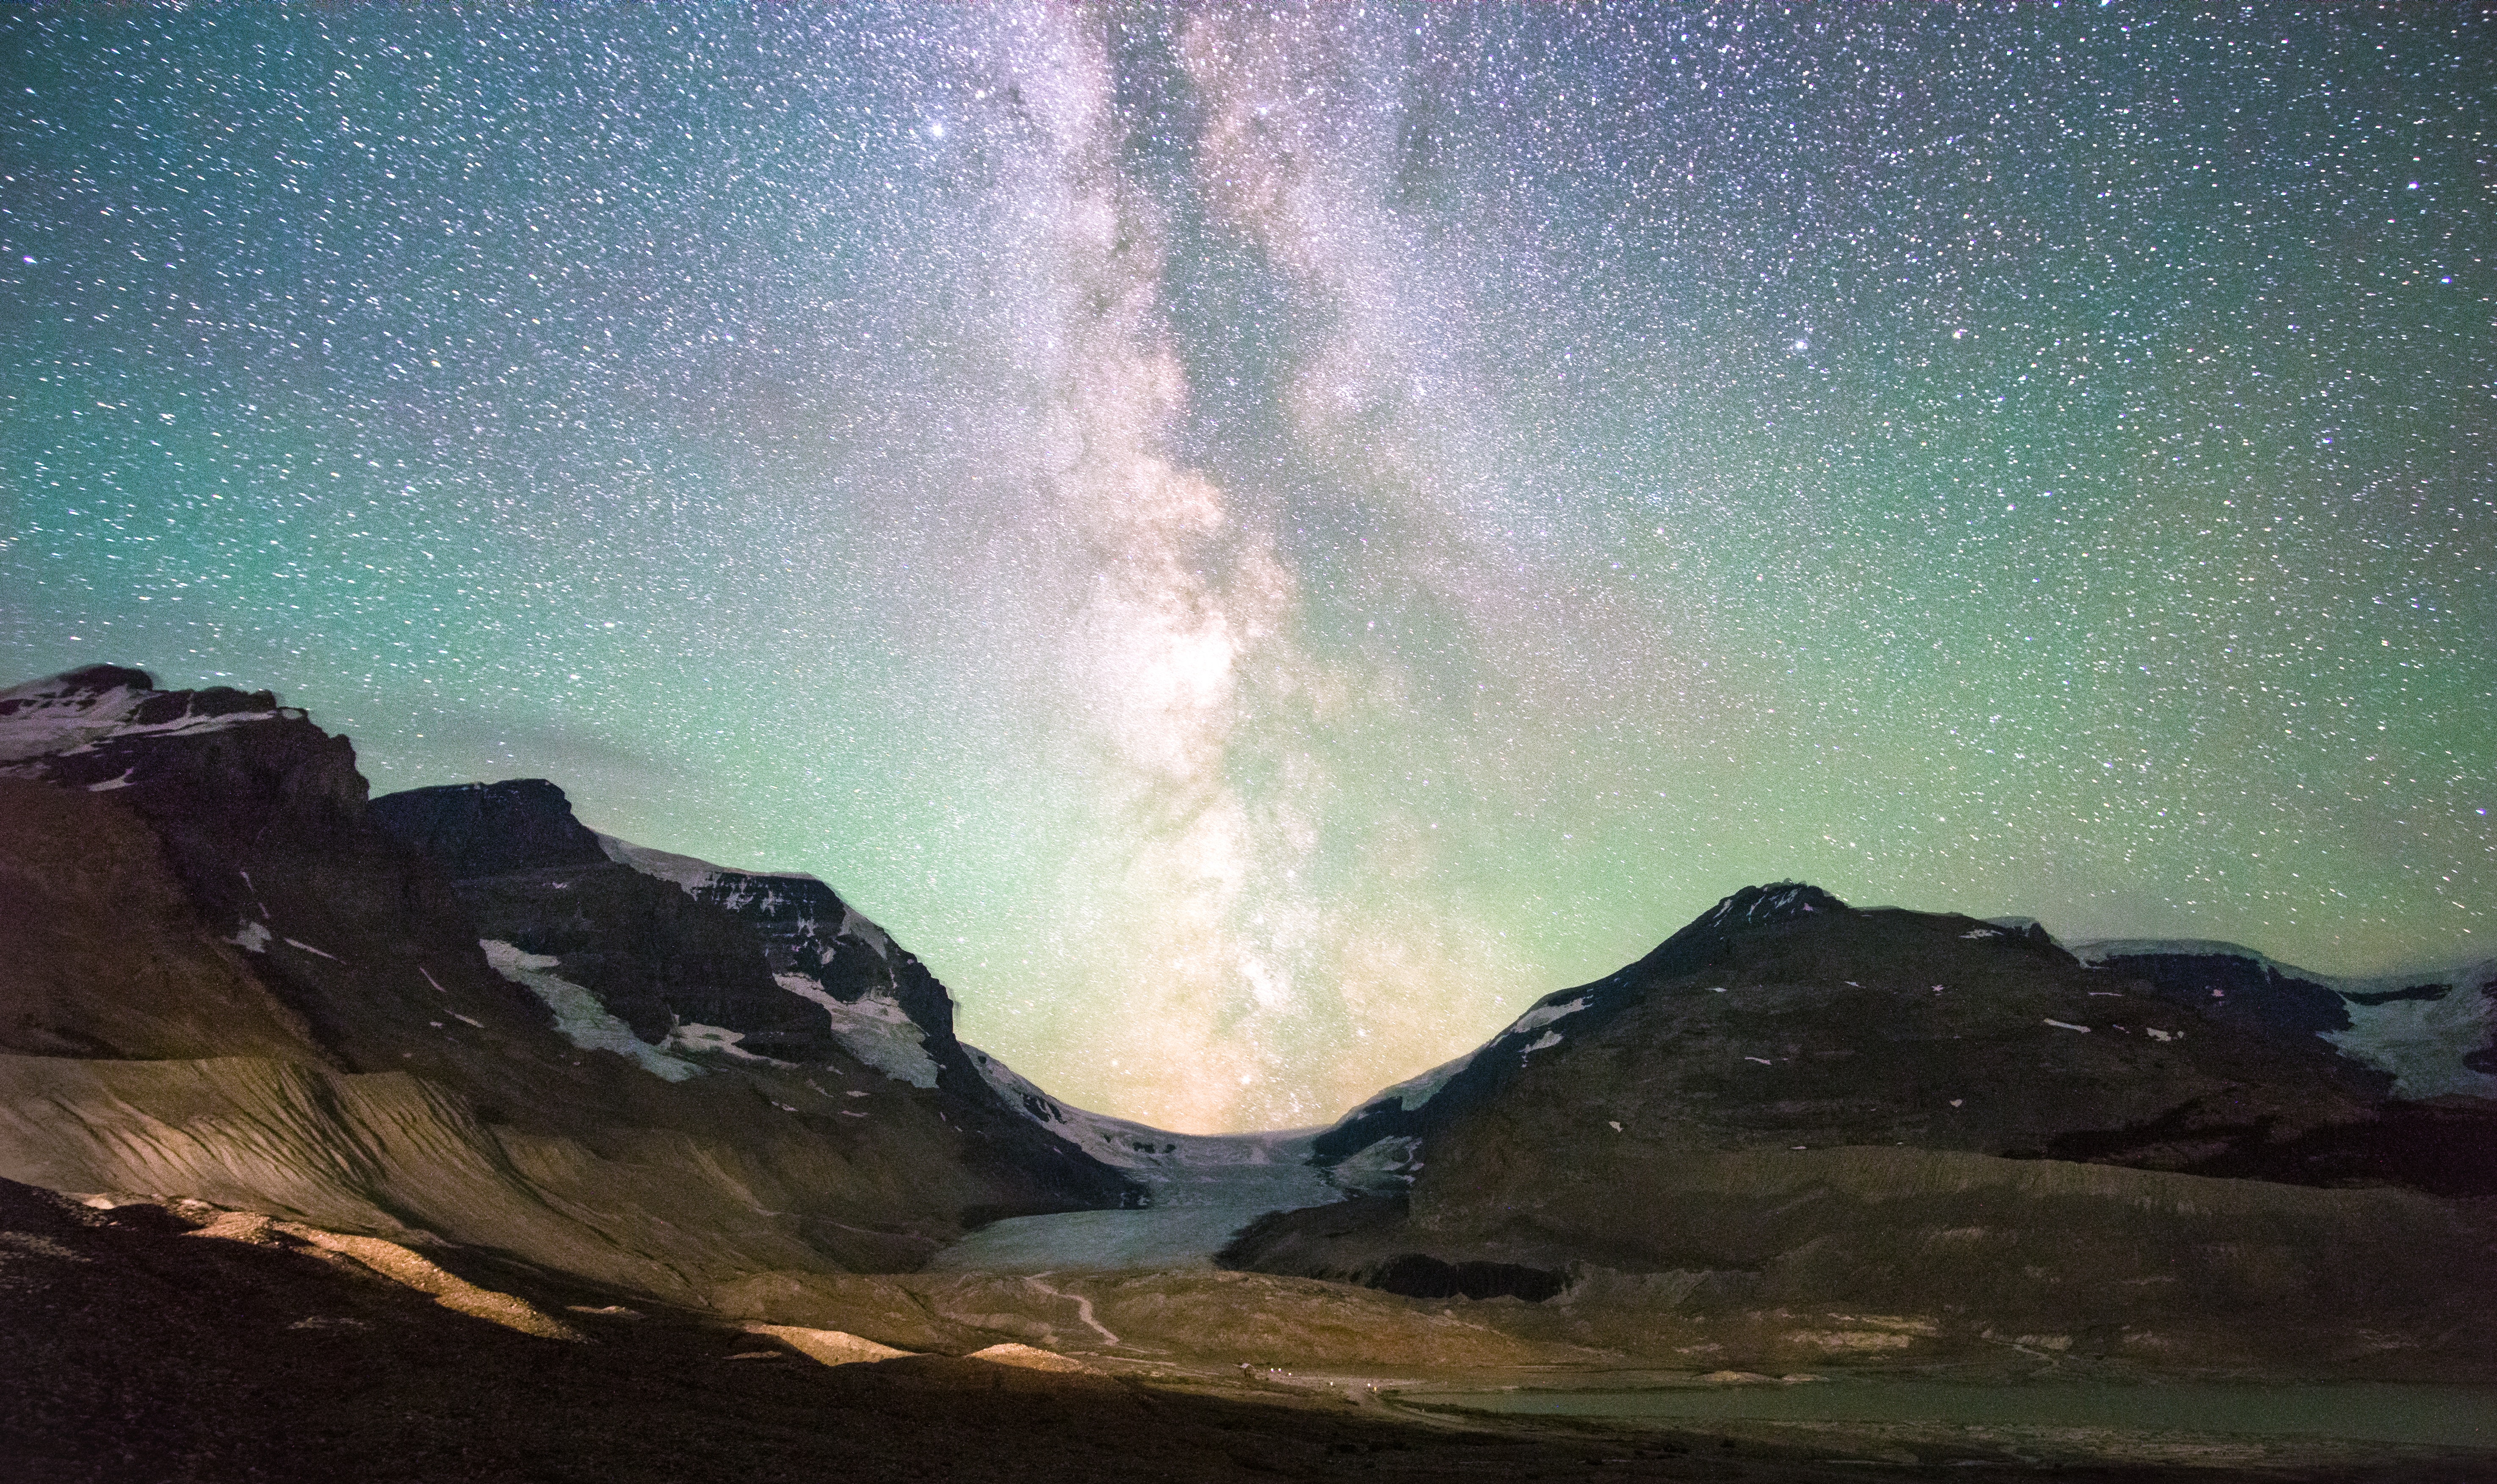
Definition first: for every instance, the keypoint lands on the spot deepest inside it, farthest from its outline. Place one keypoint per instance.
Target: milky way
(1260, 542)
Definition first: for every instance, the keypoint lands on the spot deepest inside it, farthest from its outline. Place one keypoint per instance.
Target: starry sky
(1260, 542)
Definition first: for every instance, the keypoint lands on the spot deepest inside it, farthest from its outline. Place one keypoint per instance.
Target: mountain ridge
(226, 980)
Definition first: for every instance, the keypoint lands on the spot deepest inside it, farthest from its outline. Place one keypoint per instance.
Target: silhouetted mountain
(1792, 1101)
(224, 978)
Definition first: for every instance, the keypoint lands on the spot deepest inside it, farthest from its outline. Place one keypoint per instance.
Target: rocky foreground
(148, 1342)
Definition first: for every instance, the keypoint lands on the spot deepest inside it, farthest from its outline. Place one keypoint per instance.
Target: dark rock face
(478, 830)
(662, 939)
(2446, 1148)
(2428, 1056)
(2226, 986)
(653, 955)
(665, 941)
(1785, 1017)
(158, 983)
(1312, 1240)
(1711, 940)
(1804, 1102)
(533, 876)
(262, 816)
(806, 929)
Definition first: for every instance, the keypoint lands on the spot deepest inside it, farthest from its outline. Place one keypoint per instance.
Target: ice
(719, 1040)
(578, 1015)
(2422, 1042)
(1139, 1148)
(874, 1027)
(691, 874)
(1228, 1182)
(683, 870)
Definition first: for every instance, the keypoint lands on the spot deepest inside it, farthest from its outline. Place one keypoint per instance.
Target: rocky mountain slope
(1794, 1102)
(222, 977)
(2431, 1033)
(654, 955)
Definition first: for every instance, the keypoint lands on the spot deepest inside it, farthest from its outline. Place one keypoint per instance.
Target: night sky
(1258, 543)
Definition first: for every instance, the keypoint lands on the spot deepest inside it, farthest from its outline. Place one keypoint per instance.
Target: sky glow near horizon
(1260, 542)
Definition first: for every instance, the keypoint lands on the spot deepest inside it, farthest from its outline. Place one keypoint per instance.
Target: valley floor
(132, 1348)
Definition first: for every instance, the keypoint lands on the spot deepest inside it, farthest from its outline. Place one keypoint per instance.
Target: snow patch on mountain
(578, 1015)
(874, 1027)
(854, 925)
(718, 1040)
(2100, 949)
(1381, 1168)
(681, 871)
(1413, 1092)
(57, 715)
(730, 888)
(1544, 1015)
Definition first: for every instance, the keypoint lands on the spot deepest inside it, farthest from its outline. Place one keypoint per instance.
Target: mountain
(2433, 1033)
(653, 953)
(548, 1072)
(1795, 1102)
(225, 975)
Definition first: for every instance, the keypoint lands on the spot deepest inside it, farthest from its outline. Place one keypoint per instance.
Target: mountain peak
(1749, 910)
(77, 709)
(477, 830)
(1776, 902)
(88, 680)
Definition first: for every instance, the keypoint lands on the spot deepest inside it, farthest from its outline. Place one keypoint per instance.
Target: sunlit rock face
(1796, 1101)
(222, 977)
